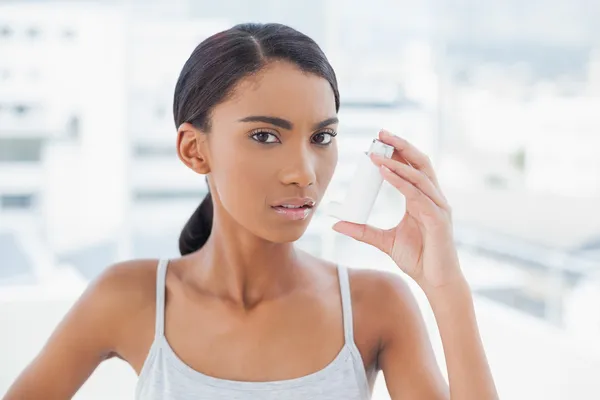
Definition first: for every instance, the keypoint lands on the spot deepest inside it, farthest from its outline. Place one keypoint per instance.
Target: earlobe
(191, 149)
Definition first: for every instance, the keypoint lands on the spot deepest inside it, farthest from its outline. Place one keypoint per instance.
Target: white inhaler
(364, 187)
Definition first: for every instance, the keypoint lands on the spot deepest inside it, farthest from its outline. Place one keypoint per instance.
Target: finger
(414, 196)
(409, 153)
(415, 177)
(365, 233)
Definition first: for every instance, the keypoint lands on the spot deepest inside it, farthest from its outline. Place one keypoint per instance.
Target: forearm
(469, 374)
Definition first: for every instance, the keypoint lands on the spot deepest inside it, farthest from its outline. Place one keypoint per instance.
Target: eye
(324, 138)
(265, 137)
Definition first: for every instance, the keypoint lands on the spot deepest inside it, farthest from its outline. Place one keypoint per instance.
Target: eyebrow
(284, 123)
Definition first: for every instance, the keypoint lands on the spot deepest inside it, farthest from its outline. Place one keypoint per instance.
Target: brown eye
(265, 137)
(323, 138)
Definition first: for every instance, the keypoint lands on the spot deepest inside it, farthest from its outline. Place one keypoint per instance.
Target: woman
(243, 314)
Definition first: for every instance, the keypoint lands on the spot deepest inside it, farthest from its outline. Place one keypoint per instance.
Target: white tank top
(165, 376)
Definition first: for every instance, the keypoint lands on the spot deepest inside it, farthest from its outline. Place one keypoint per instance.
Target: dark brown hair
(212, 71)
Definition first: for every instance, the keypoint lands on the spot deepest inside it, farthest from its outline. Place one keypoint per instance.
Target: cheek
(242, 181)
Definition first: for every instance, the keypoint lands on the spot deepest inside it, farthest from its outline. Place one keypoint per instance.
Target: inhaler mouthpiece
(363, 187)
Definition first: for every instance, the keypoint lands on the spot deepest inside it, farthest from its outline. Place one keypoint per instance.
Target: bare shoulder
(384, 307)
(125, 294)
(131, 283)
(122, 288)
(386, 291)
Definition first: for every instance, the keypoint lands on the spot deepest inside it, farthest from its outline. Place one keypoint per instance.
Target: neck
(241, 268)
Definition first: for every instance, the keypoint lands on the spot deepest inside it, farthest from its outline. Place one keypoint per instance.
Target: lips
(295, 214)
(295, 202)
(294, 208)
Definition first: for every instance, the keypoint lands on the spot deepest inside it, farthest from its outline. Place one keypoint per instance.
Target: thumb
(363, 233)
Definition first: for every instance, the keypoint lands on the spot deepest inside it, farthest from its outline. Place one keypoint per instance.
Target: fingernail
(388, 133)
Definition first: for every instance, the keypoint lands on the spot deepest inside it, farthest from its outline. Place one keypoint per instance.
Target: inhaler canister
(363, 188)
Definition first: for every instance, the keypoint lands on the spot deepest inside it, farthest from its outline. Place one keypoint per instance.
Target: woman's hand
(422, 244)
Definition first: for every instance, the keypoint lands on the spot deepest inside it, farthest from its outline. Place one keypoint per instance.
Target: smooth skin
(249, 306)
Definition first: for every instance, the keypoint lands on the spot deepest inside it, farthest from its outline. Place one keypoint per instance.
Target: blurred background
(503, 95)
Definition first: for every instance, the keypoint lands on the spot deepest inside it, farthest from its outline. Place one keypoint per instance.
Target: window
(68, 34)
(33, 32)
(20, 149)
(16, 266)
(16, 201)
(162, 195)
(21, 109)
(5, 31)
(74, 128)
(144, 150)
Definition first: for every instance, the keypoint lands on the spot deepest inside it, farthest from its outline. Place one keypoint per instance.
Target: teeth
(286, 206)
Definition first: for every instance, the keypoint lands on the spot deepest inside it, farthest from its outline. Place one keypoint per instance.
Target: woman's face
(272, 145)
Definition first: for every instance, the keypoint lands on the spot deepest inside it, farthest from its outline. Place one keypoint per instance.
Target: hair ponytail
(196, 231)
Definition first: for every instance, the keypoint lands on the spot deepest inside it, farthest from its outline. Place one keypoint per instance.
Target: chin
(285, 234)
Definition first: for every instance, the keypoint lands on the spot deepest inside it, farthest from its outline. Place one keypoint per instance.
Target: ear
(192, 149)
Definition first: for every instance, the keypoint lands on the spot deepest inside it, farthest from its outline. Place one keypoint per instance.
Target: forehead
(281, 89)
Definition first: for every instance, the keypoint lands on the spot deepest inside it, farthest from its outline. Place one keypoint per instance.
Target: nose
(299, 169)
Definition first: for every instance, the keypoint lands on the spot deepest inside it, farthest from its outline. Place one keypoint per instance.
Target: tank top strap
(161, 274)
(346, 303)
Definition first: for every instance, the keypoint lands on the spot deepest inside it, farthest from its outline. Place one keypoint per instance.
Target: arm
(87, 335)
(407, 358)
(468, 370)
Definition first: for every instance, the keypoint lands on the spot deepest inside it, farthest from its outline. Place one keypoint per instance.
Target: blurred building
(87, 143)
(62, 121)
(163, 191)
